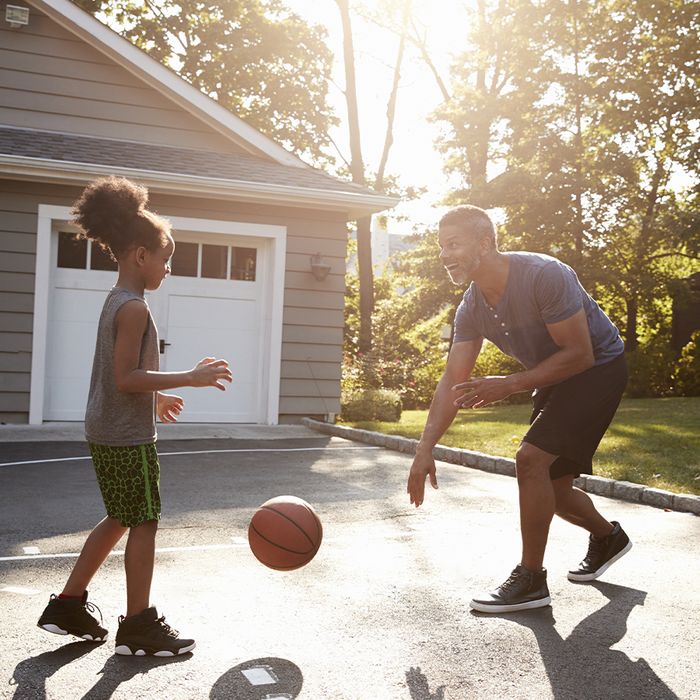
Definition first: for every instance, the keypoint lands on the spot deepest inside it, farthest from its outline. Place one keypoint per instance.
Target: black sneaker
(602, 554)
(146, 634)
(72, 616)
(522, 590)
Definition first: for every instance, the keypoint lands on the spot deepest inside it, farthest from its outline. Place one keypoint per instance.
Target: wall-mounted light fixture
(319, 269)
(16, 16)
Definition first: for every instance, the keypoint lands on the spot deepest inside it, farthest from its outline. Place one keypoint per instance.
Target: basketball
(285, 533)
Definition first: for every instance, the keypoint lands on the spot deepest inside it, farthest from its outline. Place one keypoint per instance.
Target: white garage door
(212, 305)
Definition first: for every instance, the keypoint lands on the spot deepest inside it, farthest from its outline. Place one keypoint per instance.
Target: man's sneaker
(522, 590)
(602, 554)
(146, 634)
(72, 616)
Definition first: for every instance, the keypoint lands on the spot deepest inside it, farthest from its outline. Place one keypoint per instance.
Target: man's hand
(423, 465)
(484, 391)
(168, 407)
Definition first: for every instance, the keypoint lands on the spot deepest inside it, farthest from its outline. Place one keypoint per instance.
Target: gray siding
(313, 311)
(51, 80)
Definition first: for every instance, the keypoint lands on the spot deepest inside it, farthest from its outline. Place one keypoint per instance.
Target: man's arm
(443, 409)
(575, 355)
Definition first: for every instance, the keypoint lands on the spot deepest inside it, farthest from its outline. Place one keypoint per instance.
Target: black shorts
(569, 419)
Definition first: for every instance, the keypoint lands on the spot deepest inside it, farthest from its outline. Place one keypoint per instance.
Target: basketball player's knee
(528, 466)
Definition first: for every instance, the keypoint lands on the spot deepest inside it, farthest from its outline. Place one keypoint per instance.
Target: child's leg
(138, 562)
(98, 545)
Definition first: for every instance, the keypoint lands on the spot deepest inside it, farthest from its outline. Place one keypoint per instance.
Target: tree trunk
(631, 341)
(357, 171)
(364, 262)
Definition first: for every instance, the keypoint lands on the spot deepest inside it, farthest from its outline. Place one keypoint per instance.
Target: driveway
(381, 612)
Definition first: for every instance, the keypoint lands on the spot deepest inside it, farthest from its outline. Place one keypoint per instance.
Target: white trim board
(354, 204)
(273, 298)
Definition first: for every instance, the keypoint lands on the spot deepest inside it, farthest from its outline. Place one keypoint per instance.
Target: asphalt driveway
(380, 613)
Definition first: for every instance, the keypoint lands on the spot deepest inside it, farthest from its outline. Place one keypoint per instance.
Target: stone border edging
(623, 490)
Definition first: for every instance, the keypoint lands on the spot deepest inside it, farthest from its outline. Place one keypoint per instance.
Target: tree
(356, 164)
(594, 123)
(255, 57)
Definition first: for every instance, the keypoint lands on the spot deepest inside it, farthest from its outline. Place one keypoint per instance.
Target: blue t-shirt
(540, 290)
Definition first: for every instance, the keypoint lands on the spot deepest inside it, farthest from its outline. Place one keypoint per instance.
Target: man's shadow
(30, 675)
(584, 665)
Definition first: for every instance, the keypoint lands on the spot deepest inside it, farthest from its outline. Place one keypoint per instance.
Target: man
(534, 309)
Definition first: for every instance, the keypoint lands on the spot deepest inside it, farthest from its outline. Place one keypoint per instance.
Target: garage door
(210, 306)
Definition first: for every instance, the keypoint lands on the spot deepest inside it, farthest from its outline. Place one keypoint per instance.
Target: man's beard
(466, 276)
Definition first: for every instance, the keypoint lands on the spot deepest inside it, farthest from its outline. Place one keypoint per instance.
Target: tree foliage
(255, 57)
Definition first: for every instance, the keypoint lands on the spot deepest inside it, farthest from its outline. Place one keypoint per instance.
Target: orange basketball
(285, 533)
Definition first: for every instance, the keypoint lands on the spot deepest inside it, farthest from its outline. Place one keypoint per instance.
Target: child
(125, 395)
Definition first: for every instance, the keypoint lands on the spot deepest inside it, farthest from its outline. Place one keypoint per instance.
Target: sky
(413, 157)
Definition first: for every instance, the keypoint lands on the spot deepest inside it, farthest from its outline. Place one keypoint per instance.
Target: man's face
(460, 253)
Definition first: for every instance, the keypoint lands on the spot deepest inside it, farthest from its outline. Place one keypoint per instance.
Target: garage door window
(214, 261)
(72, 252)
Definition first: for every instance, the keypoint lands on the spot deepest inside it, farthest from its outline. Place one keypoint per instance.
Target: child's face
(157, 264)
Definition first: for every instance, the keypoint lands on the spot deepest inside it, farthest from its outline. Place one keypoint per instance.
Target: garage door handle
(162, 346)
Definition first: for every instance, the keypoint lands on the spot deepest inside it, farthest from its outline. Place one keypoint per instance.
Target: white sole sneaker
(514, 607)
(593, 576)
(55, 629)
(124, 650)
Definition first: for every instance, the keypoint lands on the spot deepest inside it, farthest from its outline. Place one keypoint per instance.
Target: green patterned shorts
(129, 479)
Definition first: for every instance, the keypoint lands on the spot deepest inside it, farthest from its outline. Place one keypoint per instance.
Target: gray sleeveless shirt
(115, 417)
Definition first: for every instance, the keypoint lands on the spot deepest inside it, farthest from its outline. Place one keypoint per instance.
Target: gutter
(355, 205)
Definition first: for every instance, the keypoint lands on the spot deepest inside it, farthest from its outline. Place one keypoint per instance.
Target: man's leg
(576, 507)
(526, 587)
(537, 502)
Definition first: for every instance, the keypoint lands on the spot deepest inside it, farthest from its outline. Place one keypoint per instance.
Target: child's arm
(131, 322)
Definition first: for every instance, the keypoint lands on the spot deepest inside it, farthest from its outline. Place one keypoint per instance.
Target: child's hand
(168, 407)
(211, 372)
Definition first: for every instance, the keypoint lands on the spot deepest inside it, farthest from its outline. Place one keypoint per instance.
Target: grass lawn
(651, 441)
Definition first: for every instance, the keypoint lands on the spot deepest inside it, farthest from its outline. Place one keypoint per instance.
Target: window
(185, 260)
(72, 251)
(214, 261)
(100, 259)
(243, 262)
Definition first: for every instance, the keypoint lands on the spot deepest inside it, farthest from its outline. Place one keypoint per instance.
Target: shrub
(372, 404)
(686, 377)
(651, 367)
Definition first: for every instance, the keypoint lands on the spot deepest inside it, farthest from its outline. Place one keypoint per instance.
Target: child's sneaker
(146, 634)
(72, 616)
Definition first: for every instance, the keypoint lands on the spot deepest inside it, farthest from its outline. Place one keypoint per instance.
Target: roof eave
(354, 204)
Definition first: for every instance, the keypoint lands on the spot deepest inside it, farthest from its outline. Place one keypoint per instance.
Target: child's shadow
(585, 664)
(118, 669)
(30, 675)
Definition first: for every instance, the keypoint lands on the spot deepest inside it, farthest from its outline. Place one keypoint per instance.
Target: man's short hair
(474, 220)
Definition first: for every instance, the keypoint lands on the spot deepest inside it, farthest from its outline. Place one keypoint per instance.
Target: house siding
(312, 333)
(51, 80)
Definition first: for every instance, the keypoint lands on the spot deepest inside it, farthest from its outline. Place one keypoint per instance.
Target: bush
(372, 404)
(493, 362)
(651, 368)
(686, 378)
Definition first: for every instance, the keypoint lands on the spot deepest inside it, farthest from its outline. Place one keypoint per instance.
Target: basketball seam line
(279, 546)
(296, 525)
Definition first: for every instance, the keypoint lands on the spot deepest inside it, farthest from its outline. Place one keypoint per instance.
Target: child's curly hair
(112, 211)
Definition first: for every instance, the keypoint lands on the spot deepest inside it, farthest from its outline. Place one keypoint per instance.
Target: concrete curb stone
(610, 488)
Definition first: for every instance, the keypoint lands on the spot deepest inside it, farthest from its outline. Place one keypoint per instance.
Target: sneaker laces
(595, 547)
(167, 628)
(514, 577)
(91, 607)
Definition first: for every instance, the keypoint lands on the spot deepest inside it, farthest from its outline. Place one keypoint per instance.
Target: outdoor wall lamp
(319, 269)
